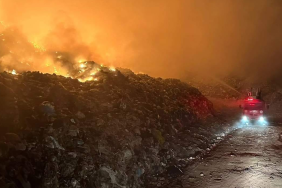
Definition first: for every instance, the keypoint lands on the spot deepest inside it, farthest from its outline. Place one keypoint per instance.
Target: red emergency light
(249, 99)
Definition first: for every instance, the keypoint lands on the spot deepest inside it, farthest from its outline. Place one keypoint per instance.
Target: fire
(93, 73)
(82, 65)
(87, 79)
(80, 59)
(112, 69)
(14, 72)
(38, 47)
(31, 56)
(55, 70)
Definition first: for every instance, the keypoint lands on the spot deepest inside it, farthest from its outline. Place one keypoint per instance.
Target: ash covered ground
(122, 130)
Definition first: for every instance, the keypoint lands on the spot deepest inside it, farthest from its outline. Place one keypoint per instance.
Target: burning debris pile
(17, 55)
(122, 130)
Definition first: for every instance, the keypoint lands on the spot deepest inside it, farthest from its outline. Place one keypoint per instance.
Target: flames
(89, 70)
(13, 72)
(83, 71)
(112, 68)
(17, 54)
(38, 47)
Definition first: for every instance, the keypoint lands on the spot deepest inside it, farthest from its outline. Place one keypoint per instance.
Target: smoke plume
(161, 37)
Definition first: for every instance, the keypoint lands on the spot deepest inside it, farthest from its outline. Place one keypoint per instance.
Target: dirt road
(249, 157)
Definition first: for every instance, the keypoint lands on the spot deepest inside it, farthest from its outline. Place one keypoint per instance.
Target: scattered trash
(117, 131)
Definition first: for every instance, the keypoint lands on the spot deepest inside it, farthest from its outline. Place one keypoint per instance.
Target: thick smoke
(160, 37)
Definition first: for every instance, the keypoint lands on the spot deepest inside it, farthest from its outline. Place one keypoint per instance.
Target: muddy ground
(251, 156)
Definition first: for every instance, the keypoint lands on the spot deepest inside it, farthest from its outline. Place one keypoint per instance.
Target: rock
(137, 131)
(73, 131)
(105, 171)
(100, 122)
(158, 136)
(67, 170)
(50, 175)
(122, 105)
(75, 183)
(47, 108)
(73, 121)
(127, 155)
(80, 115)
(140, 171)
(103, 148)
(72, 154)
(52, 143)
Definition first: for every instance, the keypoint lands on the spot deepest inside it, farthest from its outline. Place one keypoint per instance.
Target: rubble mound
(224, 87)
(121, 130)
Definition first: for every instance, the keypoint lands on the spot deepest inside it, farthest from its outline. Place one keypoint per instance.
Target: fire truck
(254, 108)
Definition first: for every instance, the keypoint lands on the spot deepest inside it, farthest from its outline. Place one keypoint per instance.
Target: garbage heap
(222, 87)
(119, 130)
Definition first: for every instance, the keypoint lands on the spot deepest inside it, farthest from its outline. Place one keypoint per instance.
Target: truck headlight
(245, 118)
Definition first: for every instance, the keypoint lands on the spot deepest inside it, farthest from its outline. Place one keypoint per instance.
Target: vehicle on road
(254, 108)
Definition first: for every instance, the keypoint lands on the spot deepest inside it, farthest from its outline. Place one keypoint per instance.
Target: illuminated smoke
(161, 37)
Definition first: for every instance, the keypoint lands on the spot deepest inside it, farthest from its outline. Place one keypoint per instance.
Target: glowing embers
(112, 69)
(38, 47)
(91, 71)
(87, 79)
(82, 61)
(13, 72)
(82, 65)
